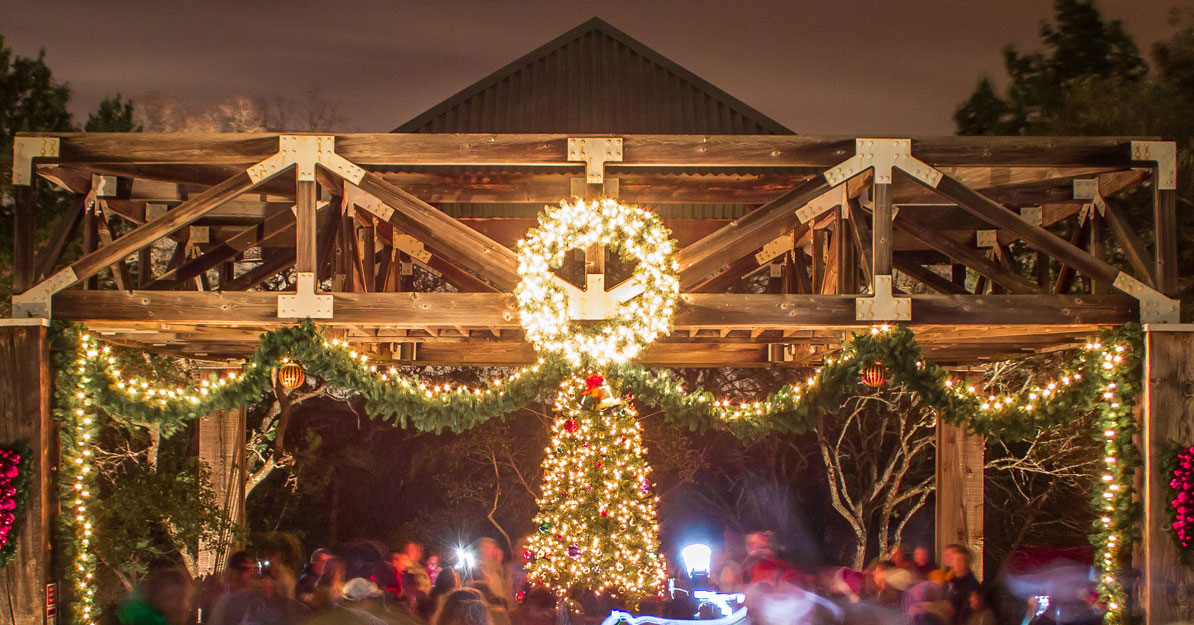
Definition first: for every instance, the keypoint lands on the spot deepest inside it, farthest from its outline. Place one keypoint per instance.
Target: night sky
(841, 67)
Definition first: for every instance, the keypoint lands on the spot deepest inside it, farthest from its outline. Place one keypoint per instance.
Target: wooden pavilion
(845, 232)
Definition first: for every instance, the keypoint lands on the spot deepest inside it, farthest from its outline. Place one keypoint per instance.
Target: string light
(543, 303)
(597, 515)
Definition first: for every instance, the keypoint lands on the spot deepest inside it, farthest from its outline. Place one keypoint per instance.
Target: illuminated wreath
(633, 314)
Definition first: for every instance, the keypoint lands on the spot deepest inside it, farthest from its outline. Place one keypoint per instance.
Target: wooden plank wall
(959, 512)
(25, 416)
(1168, 594)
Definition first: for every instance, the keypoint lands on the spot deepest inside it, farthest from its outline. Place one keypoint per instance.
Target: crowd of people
(907, 587)
(362, 584)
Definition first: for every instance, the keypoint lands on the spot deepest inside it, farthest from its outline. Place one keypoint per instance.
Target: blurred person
(890, 583)
(398, 561)
(922, 561)
(415, 572)
(432, 567)
(962, 581)
(164, 597)
(499, 612)
(899, 558)
(926, 604)
(538, 608)
(311, 572)
(980, 611)
(495, 572)
(268, 600)
(366, 596)
(463, 607)
(240, 572)
(445, 583)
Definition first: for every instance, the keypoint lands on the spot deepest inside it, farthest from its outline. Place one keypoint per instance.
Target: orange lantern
(873, 375)
(291, 375)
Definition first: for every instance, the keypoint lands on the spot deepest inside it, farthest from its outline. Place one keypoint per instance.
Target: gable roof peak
(542, 91)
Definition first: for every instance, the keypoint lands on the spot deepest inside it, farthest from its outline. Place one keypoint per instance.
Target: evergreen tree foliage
(597, 527)
(113, 115)
(1078, 45)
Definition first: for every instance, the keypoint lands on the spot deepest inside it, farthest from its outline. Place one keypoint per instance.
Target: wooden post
(305, 226)
(960, 457)
(25, 417)
(1098, 247)
(222, 450)
(881, 230)
(1168, 408)
(1165, 220)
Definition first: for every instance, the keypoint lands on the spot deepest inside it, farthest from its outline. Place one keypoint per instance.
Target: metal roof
(594, 79)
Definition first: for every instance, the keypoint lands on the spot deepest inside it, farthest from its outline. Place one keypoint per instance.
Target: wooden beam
(713, 253)
(928, 277)
(268, 268)
(881, 240)
(551, 149)
(497, 310)
(1125, 234)
(1033, 235)
(1166, 230)
(1167, 415)
(182, 215)
(64, 230)
(444, 235)
(968, 256)
(26, 392)
(24, 241)
(277, 225)
(1065, 275)
(305, 226)
(862, 238)
(1097, 246)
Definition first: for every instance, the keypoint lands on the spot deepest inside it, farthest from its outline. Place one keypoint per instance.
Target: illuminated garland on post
(76, 412)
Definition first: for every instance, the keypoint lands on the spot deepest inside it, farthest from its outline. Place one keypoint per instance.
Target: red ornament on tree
(570, 426)
(873, 375)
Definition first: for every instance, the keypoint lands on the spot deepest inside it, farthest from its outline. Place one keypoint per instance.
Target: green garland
(20, 495)
(1105, 377)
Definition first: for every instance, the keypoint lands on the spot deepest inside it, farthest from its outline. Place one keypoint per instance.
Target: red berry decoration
(1182, 483)
(598, 464)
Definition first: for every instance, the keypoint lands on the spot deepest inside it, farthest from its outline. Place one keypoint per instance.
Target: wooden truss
(848, 232)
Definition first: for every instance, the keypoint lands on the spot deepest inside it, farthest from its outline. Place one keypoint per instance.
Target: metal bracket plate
(413, 247)
(1034, 215)
(305, 303)
(595, 152)
(304, 152)
(883, 155)
(1164, 154)
(36, 301)
(24, 150)
(986, 238)
(777, 247)
(1086, 188)
(882, 306)
(824, 202)
(1154, 306)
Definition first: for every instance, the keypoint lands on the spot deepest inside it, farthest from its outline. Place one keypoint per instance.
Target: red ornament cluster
(10, 467)
(1182, 484)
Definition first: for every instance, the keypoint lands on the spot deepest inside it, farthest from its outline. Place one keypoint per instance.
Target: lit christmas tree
(597, 520)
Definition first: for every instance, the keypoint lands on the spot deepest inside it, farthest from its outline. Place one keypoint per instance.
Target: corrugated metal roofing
(594, 79)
